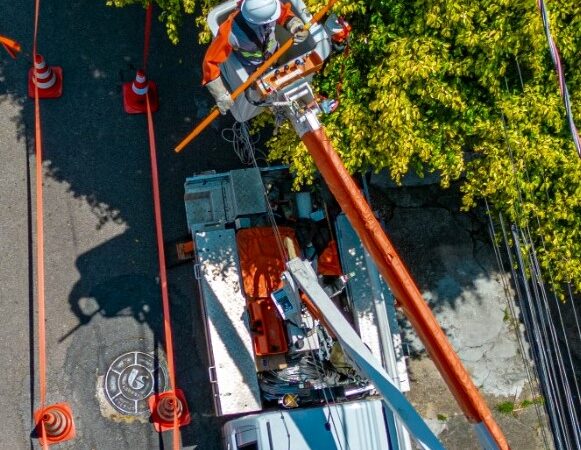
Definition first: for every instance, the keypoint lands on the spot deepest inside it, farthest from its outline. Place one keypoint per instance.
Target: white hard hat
(260, 12)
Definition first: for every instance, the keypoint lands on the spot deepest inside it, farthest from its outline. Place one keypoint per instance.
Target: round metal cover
(131, 379)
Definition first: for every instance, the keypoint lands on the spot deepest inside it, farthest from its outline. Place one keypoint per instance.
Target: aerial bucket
(234, 73)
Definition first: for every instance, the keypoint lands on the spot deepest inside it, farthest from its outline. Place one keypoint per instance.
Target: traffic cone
(165, 406)
(134, 95)
(49, 80)
(58, 424)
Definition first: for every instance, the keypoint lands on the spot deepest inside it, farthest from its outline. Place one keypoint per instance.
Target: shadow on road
(96, 160)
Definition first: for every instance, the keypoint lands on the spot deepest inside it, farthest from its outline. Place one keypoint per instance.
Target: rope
(168, 334)
(560, 74)
(147, 35)
(162, 267)
(40, 270)
(242, 143)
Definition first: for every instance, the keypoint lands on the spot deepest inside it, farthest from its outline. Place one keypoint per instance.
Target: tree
(463, 88)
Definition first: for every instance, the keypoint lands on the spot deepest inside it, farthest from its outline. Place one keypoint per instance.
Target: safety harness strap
(264, 48)
(249, 32)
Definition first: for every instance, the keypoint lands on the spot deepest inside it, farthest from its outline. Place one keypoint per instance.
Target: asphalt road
(103, 297)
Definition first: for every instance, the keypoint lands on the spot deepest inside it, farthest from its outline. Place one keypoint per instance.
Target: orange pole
(395, 273)
(251, 79)
(11, 46)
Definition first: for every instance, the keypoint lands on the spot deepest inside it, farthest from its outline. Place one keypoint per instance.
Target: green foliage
(534, 401)
(512, 407)
(505, 407)
(465, 89)
(462, 88)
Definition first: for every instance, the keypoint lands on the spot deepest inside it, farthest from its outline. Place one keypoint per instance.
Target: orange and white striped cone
(135, 92)
(58, 424)
(168, 407)
(48, 80)
(165, 407)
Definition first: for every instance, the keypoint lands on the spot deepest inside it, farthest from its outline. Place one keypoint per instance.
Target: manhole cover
(131, 379)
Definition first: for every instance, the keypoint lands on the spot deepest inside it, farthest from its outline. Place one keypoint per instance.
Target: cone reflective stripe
(139, 86)
(54, 424)
(44, 79)
(134, 100)
(165, 407)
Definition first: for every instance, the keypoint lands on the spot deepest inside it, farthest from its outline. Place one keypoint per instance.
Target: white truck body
(214, 204)
(353, 425)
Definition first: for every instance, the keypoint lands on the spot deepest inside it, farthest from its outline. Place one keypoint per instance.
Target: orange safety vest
(220, 48)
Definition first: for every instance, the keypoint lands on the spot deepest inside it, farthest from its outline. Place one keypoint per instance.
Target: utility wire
(560, 404)
(560, 74)
(532, 379)
(245, 148)
(532, 325)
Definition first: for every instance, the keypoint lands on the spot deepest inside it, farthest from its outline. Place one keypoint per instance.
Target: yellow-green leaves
(465, 89)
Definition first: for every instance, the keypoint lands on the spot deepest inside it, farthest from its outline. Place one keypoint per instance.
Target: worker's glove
(296, 27)
(223, 98)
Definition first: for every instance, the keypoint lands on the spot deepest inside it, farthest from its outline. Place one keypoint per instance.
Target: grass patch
(505, 407)
(512, 407)
(535, 401)
(506, 315)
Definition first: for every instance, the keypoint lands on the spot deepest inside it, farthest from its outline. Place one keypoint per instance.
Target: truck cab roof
(356, 425)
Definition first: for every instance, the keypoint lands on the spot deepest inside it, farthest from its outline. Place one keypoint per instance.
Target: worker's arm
(217, 52)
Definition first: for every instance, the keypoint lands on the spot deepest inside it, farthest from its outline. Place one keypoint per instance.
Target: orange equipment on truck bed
(261, 260)
(261, 263)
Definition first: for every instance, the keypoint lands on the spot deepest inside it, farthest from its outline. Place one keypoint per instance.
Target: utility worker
(249, 33)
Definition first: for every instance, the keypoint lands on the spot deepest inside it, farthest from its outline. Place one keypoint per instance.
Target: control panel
(287, 73)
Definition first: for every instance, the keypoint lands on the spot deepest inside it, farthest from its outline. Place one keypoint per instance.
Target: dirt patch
(450, 255)
(430, 396)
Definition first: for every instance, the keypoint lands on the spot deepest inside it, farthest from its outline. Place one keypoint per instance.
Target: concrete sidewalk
(450, 255)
